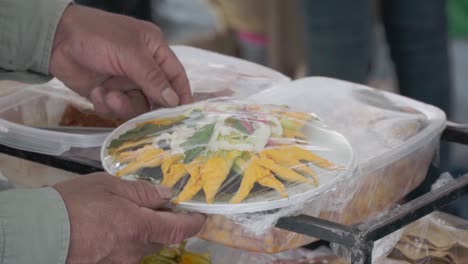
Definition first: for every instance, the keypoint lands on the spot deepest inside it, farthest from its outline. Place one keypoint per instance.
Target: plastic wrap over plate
(231, 157)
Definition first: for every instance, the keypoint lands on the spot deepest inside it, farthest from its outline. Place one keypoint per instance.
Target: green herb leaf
(200, 137)
(237, 125)
(191, 154)
(194, 145)
(137, 134)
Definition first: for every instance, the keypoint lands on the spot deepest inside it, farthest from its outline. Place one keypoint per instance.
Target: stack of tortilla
(437, 238)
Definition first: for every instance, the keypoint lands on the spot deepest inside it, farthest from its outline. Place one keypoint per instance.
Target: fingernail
(164, 193)
(170, 97)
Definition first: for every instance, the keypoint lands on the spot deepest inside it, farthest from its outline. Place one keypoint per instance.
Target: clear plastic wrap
(213, 75)
(231, 157)
(394, 139)
(436, 238)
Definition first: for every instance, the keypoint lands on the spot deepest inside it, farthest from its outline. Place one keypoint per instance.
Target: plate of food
(230, 157)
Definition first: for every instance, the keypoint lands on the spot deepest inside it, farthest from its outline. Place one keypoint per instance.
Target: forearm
(34, 227)
(26, 38)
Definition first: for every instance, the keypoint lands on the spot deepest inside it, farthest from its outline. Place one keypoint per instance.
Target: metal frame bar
(358, 238)
(74, 165)
(361, 237)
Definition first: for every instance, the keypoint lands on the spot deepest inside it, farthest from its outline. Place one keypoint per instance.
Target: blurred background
(418, 48)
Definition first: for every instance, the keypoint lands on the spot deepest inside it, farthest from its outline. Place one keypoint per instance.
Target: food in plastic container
(241, 157)
(394, 139)
(74, 117)
(25, 112)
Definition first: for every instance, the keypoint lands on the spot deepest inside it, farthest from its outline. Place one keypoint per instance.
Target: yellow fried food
(251, 175)
(254, 173)
(303, 154)
(192, 258)
(174, 175)
(282, 158)
(151, 157)
(129, 156)
(163, 122)
(282, 172)
(288, 133)
(169, 161)
(293, 119)
(303, 116)
(132, 144)
(268, 180)
(215, 172)
(194, 184)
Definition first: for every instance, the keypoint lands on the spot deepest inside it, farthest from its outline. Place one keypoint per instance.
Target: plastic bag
(231, 157)
(436, 238)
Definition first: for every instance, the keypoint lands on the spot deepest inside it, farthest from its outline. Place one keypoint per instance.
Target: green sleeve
(26, 37)
(34, 227)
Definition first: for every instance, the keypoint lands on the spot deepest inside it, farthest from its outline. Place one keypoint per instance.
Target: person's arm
(34, 227)
(26, 38)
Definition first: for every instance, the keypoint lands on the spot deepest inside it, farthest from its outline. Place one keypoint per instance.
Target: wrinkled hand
(123, 65)
(113, 221)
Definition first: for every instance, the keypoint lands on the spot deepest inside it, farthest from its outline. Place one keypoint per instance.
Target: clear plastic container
(394, 139)
(24, 111)
(23, 108)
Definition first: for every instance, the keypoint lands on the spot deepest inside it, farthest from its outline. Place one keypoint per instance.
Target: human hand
(113, 221)
(123, 65)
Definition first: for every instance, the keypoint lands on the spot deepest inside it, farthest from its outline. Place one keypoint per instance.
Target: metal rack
(359, 238)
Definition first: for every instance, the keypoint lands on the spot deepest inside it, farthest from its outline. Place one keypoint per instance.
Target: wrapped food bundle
(238, 157)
